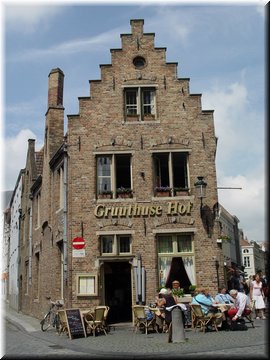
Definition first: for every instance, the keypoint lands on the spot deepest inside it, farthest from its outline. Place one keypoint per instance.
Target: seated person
(204, 299)
(240, 303)
(165, 299)
(223, 297)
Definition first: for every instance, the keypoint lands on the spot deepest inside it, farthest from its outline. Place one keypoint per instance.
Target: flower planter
(162, 193)
(181, 193)
(124, 195)
(104, 196)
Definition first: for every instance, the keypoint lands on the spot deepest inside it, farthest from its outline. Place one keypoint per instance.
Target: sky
(220, 46)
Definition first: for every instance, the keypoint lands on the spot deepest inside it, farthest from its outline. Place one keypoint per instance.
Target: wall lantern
(200, 186)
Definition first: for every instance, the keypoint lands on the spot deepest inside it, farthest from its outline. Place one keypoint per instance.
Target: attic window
(139, 62)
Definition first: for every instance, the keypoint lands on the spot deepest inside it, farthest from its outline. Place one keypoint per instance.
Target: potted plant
(163, 191)
(177, 294)
(123, 192)
(192, 289)
(223, 238)
(105, 194)
(178, 191)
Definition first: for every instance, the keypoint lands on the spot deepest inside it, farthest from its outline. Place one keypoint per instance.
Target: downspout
(30, 241)
(65, 245)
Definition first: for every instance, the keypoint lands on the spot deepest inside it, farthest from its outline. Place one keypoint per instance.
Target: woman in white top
(256, 294)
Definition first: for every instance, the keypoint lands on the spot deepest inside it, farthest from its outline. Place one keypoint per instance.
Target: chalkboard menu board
(75, 323)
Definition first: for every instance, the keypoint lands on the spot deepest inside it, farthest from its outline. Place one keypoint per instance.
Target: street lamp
(200, 186)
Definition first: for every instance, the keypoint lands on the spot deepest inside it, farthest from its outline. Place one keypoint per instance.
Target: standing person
(256, 293)
(240, 303)
(235, 281)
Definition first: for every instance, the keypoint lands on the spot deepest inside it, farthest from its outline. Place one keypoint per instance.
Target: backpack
(238, 325)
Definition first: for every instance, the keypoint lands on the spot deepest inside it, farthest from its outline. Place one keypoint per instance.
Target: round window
(139, 62)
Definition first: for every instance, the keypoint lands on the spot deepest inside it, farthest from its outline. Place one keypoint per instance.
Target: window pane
(123, 176)
(131, 102)
(165, 244)
(149, 102)
(184, 243)
(161, 165)
(107, 244)
(179, 164)
(104, 173)
(124, 244)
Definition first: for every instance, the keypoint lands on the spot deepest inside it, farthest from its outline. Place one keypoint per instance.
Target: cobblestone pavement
(123, 343)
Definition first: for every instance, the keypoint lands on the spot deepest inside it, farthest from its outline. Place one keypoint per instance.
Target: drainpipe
(65, 252)
(30, 241)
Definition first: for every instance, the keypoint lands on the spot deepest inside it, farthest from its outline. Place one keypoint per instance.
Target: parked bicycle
(51, 318)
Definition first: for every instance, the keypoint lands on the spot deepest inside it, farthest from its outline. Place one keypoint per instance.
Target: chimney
(137, 27)
(55, 88)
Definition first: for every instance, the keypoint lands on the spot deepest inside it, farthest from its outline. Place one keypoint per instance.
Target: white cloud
(15, 151)
(26, 18)
(248, 204)
(76, 46)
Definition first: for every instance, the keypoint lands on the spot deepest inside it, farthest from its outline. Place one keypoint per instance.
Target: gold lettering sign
(135, 210)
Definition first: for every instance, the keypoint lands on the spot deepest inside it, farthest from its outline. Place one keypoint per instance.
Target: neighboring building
(5, 230)
(254, 257)
(14, 247)
(139, 132)
(228, 239)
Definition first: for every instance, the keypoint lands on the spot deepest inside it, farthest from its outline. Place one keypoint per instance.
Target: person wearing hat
(165, 299)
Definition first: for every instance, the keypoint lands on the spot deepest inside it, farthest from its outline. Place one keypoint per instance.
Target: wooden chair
(63, 327)
(249, 317)
(140, 319)
(199, 319)
(95, 321)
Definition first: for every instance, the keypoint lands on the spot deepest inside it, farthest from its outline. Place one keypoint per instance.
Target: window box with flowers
(105, 194)
(223, 238)
(162, 191)
(178, 191)
(123, 192)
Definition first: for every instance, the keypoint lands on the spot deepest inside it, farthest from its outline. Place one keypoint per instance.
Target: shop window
(171, 173)
(87, 285)
(140, 103)
(115, 244)
(114, 175)
(176, 260)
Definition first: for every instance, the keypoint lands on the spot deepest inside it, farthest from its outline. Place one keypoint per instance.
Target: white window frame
(87, 284)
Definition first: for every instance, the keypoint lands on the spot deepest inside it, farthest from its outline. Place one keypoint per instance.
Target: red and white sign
(78, 243)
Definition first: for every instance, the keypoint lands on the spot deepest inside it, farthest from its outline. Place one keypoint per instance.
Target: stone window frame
(137, 109)
(171, 185)
(86, 284)
(112, 185)
(115, 244)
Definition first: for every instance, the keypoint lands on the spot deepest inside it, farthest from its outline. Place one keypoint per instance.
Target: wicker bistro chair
(140, 319)
(199, 319)
(63, 327)
(95, 321)
(105, 320)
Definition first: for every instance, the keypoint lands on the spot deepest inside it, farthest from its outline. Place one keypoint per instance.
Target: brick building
(140, 132)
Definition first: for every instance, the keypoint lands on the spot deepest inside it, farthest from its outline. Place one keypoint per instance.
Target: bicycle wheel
(46, 322)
